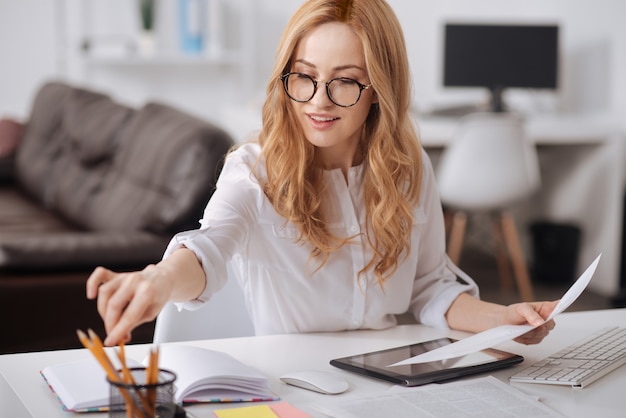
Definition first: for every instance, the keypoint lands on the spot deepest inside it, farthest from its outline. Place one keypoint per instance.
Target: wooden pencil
(95, 346)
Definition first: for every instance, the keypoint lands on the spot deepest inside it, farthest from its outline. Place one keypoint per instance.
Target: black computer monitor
(498, 56)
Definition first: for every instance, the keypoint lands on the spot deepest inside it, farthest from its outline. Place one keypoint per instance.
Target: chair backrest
(489, 164)
(224, 316)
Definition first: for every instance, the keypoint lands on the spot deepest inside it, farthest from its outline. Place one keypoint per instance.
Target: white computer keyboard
(581, 363)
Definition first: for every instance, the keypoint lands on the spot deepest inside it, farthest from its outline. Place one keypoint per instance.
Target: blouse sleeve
(438, 282)
(224, 226)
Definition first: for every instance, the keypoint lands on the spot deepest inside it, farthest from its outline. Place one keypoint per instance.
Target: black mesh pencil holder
(141, 399)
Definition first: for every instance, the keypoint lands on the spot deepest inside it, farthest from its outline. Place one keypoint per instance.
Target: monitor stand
(497, 102)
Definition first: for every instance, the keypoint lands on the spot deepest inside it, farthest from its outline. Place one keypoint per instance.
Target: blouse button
(354, 229)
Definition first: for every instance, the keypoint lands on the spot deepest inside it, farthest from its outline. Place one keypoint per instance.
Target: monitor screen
(500, 56)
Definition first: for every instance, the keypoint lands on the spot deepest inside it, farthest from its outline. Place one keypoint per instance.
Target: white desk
(583, 177)
(26, 395)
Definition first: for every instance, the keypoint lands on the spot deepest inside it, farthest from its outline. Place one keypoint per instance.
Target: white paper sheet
(497, 335)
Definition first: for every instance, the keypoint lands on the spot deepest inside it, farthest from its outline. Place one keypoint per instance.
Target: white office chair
(489, 165)
(225, 315)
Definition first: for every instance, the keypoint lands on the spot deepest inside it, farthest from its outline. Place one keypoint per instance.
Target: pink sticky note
(285, 410)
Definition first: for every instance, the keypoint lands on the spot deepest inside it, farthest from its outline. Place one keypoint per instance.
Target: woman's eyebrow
(338, 68)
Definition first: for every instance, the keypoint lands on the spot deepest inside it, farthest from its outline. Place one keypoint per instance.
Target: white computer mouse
(316, 380)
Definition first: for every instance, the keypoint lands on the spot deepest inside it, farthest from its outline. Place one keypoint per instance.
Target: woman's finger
(98, 277)
(120, 294)
(529, 313)
(106, 291)
(142, 307)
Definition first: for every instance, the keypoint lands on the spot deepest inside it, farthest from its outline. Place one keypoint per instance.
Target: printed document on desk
(497, 335)
(486, 396)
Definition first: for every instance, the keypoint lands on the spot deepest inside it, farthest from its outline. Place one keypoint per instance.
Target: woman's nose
(320, 98)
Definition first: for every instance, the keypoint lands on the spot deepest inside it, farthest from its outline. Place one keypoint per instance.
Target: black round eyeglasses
(342, 91)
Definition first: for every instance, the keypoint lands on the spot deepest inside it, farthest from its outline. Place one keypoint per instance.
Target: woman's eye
(346, 81)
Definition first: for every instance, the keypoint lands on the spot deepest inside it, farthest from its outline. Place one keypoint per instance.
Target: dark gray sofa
(93, 182)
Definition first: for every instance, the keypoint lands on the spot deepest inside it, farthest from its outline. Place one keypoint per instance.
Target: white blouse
(284, 290)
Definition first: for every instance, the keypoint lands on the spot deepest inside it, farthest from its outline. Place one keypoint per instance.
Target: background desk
(24, 394)
(582, 168)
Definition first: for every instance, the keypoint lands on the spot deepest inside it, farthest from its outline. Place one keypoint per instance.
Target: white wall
(34, 35)
(27, 52)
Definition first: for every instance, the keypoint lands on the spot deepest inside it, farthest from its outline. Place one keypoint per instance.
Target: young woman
(331, 220)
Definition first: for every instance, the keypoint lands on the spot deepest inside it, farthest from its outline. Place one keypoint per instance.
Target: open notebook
(202, 376)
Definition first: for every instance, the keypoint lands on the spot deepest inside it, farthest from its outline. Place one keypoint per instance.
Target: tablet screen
(376, 364)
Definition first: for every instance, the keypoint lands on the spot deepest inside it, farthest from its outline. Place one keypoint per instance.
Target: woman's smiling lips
(321, 121)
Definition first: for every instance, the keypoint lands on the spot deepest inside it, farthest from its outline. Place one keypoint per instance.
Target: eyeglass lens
(342, 91)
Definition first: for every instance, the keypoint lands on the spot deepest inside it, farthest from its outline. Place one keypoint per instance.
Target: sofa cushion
(92, 122)
(37, 158)
(68, 148)
(80, 249)
(34, 238)
(163, 175)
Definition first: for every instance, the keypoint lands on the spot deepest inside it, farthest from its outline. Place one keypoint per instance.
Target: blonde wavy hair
(391, 150)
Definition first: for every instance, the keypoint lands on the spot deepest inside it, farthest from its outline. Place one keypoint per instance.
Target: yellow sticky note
(257, 411)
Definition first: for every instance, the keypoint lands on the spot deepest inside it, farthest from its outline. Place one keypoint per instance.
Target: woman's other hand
(533, 313)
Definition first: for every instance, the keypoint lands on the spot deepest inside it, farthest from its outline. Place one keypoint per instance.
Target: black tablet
(376, 364)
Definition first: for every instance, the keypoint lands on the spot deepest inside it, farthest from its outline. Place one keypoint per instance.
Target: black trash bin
(555, 252)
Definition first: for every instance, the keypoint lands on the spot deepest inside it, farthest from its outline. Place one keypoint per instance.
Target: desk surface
(436, 132)
(278, 354)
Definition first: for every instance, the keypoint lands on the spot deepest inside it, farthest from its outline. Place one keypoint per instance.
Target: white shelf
(124, 49)
(163, 58)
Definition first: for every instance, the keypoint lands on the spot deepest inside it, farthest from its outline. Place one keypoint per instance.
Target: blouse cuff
(434, 313)
(201, 246)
